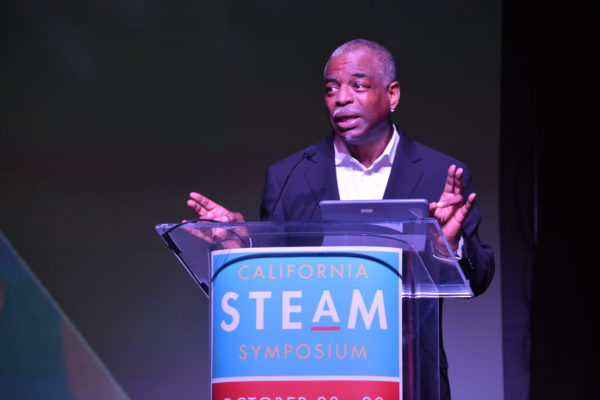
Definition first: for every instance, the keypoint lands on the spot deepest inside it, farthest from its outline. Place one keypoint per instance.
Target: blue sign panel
(306, 313)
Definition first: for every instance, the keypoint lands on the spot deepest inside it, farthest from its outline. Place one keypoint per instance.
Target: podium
(322, 310)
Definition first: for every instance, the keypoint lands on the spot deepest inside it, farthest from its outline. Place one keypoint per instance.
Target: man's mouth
(346, 121)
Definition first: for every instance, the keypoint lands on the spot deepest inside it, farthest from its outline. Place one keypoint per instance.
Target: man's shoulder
(430, 153)
(431, 157)
(323, 151)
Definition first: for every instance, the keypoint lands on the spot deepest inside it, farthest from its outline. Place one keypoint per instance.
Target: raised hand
(205, 208)
(451, 210)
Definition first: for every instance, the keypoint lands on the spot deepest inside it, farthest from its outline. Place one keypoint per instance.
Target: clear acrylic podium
(321, 310)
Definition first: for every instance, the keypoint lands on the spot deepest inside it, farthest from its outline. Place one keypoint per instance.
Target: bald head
(386, 67)
(360, 94)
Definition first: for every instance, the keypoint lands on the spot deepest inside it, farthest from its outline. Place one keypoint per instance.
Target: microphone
(305, 156)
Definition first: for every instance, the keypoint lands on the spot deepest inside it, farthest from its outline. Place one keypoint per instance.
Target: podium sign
(307, 323)
(321, 310)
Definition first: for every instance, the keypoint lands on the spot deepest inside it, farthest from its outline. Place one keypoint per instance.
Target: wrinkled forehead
(353, 62)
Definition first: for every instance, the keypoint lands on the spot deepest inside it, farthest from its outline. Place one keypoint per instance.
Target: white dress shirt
(357, 182)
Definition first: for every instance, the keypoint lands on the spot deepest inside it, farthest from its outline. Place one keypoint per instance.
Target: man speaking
(366, 158)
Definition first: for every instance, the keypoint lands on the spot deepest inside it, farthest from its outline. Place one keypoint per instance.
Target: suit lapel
(406, 171)
(320, 175)
(405, 175)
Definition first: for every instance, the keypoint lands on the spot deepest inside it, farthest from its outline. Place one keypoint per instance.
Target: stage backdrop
(112, 112)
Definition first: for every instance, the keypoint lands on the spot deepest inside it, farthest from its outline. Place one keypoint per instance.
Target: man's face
(357, 98)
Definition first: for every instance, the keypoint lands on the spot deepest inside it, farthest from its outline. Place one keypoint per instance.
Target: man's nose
(344, 96)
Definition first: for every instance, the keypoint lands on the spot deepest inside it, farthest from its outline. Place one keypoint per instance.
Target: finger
(199, 210)
(449, 186)
(471, 199)
(450, 201)
(464, 211)
(194, 206)
(203, 201)
(237, 217)
(432, 206)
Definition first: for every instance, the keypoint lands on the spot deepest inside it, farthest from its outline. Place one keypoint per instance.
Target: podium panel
(288, 318)
(321, 310)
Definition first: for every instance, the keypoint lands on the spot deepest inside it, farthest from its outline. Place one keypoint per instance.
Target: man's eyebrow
(356, 75)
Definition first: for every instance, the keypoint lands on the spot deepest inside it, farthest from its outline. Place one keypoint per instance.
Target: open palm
(451, 210)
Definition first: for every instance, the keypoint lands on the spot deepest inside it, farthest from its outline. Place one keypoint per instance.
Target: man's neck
(367, 153)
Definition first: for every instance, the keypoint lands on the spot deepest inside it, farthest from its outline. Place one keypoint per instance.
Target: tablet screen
(374, 210)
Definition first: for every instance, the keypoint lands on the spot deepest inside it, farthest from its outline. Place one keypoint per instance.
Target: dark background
(548, 158)
(112, 111)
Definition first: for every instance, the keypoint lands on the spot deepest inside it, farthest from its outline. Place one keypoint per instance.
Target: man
(366, 157)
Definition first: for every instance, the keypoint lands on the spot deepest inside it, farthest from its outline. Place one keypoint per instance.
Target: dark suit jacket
(418, 172)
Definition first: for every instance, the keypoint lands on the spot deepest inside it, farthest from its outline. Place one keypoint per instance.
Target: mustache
(345, 111)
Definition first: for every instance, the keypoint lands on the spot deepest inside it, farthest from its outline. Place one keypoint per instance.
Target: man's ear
(394, 94)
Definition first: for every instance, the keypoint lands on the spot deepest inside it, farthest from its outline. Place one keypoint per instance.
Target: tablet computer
(374, 210)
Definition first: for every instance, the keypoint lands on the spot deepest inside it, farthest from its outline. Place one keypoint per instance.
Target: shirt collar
(386, 159)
